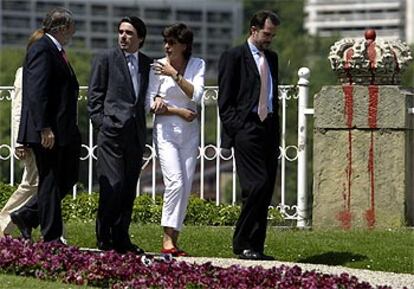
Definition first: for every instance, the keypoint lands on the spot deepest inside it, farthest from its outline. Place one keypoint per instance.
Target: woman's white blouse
(171, 92)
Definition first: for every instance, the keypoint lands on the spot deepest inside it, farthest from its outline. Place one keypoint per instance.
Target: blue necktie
(133, 71)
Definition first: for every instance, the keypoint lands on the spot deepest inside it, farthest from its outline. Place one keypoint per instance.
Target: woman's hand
(167, 69)
(159, 106)
(187, 114)
(164, 68)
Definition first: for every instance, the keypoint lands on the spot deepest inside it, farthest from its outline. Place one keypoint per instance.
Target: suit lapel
(251, 64)
(121, 62)
(272, 61)
(58, 55)
(271, 64)
(142, 75)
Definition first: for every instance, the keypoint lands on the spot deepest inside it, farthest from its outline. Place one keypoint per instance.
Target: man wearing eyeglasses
(117, 88)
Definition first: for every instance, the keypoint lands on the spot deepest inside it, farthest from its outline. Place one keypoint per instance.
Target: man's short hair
(57, 19)
(259, 18)
(139, 26)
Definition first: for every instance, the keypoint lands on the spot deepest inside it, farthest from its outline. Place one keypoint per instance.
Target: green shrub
(148, 211)
(227, 215)
(275, 218)
(82, 208)
(198, 212)
(5, 193)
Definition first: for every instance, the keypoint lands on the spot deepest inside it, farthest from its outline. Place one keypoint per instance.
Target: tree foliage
(10, 60)
(295, 48)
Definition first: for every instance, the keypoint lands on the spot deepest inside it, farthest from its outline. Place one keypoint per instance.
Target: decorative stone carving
(369, 61)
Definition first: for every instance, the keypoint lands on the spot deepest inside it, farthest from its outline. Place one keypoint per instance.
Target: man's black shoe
(130, 248)
(105, 246)
(57, 241)
(254, 255)
(24, 229)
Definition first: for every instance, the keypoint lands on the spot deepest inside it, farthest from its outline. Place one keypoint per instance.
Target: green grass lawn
(380, 250)
(14, 282)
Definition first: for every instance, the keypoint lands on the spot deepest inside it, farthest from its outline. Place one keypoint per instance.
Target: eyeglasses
(170, 41)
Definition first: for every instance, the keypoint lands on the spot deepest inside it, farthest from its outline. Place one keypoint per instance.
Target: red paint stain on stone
(372, 56)
(373, 106)
(372, 123)
(347, 66)
(345, 216)
(370, 213)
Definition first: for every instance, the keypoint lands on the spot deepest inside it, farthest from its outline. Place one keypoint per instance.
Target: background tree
(10, 60)
(295, 48)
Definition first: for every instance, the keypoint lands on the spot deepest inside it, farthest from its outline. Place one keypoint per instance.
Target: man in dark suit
(49, 125)
(117, 88)
(248, 109)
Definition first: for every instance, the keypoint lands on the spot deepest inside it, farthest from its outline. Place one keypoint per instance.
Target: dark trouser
(119, 166)
(256, 152)
(58, 172)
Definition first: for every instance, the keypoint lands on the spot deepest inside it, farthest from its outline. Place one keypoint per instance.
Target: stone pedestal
(363, 157)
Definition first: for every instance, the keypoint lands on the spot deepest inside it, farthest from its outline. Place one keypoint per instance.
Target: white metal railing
(210, 151)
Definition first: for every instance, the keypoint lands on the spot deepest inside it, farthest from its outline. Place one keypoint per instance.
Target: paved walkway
(396, 281)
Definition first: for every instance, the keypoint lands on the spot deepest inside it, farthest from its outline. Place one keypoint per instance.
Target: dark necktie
(64, 56)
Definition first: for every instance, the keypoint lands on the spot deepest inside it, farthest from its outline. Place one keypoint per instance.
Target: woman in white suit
(175, 89)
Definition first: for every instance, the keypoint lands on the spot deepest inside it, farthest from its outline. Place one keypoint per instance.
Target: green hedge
(5, 192)
(148, 211)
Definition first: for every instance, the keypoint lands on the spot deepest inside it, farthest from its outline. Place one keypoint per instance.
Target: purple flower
(51, 261)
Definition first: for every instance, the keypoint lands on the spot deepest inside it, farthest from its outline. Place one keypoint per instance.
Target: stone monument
(363, 138)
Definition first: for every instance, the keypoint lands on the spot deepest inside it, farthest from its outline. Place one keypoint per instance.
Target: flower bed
(69, 264)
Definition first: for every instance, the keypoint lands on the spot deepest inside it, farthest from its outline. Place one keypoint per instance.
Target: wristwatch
(177, 77)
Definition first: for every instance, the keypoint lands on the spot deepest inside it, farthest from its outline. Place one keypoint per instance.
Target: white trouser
(177, 150)
(23, 193)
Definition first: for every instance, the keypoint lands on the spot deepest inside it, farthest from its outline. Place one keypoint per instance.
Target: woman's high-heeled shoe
(175, 252)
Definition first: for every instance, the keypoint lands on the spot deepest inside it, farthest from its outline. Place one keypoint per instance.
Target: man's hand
(21, 152)
(48, 138)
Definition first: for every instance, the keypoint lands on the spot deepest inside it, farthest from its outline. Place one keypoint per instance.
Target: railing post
(12, 137)
(302, 201)
(90, 159)
(218, 154)
(284, 95)
(202, 144)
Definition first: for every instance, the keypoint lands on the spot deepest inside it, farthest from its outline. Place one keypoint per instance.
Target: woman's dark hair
(259, 18)
(182, 34)
(139, 26)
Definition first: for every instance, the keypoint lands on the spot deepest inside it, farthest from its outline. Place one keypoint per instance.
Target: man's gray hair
(56, 19)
